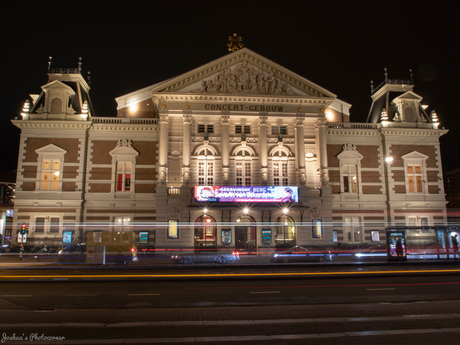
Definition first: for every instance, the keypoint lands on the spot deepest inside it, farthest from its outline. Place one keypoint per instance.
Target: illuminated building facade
(208, 159)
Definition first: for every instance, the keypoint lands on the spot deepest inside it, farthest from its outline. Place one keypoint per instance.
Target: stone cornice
(71, 125)
(302, 100)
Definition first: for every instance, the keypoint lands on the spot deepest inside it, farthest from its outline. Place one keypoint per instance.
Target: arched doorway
(205, 233)
(285, 232)
(245, 234)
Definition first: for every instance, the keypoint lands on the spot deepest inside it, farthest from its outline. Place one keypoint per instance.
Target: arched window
(206, 165)
(280, 165)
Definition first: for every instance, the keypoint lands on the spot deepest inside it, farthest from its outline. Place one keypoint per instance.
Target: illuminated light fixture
(434, 119)
(246, 210)
(309, 155)
(205, 210)
(389, 159)
(329, 115)
(208, 220)
(133, 108)
(285, 210)
(56, 173)
(26, 110)
(384, 118)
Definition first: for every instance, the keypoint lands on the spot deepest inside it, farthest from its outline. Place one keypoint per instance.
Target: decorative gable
(242, 72)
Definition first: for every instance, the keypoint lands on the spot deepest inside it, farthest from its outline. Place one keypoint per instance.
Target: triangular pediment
(58, 85)
(242, 72)
(50, 149)
(408, 96)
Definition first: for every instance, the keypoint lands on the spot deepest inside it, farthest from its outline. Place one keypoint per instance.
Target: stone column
(300, 150)
(163, 149)
(320, 125)
(186, 142)
(225, 139)
(263, 154)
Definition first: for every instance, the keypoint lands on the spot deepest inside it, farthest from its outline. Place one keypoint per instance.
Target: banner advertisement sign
(246, 194)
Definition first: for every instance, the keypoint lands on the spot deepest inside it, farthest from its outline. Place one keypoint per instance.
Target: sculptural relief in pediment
(245, 78)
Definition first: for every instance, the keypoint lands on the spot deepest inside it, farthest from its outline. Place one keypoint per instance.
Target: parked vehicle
(302, 254)
(197, 258)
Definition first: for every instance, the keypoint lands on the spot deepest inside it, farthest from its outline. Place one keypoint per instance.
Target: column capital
(187, 118)
(164, 119)
(321, 122)
(263, 120)
(225, 119)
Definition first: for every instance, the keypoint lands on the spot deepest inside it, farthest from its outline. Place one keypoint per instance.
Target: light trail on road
(222, 275)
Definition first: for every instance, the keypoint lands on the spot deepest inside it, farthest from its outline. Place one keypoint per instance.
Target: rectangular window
(349, 179)
(124, 174)
(243, 173)
(54, 224)
(414, 178)
(352, 227)
(206, 173)
(280, 174)
(279, 130)
(40, 224)
(205, 128)
(50, 175)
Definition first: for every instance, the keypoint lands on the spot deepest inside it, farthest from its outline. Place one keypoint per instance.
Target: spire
(49, 64)
(386, 74)
(79, 65)
(411, 77)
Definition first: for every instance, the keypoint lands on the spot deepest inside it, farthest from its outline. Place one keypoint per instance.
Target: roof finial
(411, 77)
(79, 65)
(235, 43)
(386, 74)
(49, 63)
(372, 87)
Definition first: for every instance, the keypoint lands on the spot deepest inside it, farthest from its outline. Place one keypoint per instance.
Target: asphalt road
(289, 304)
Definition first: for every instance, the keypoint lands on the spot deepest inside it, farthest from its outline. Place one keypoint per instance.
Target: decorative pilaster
(320, 125)
(263, 154)
(186, 143)
(225, 121)
(163, 149)
(300, 150)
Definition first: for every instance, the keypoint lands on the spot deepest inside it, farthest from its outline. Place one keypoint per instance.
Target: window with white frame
(123, 178)
(243, 172)
(122, 226)
(417, 221)
(415, 172)
(50, 164)
(352, 229)
(280, 174)
(48, 224)
(349, 178)
(123, 162)
(350, 169)
(280, 165)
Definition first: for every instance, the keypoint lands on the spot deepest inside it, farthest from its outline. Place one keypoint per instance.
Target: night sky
(128, 45)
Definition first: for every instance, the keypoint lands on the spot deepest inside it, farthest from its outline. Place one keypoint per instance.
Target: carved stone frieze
(245, 78)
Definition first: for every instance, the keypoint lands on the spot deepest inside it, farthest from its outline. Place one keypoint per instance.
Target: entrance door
(241, 237)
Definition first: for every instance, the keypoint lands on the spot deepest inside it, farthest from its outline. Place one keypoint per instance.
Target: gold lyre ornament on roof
(235, 43)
